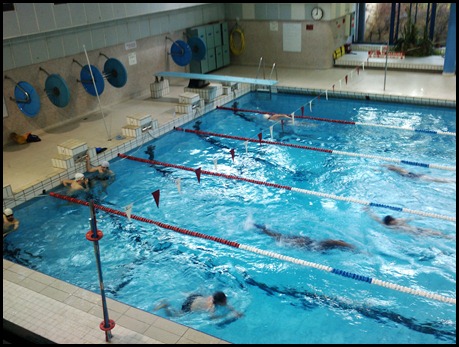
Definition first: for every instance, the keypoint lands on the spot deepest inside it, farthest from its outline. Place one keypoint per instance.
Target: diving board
(221, 78)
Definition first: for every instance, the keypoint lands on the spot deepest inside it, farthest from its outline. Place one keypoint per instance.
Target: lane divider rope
(343, 121)
(303, 191)
(330, 269)
(352, 154)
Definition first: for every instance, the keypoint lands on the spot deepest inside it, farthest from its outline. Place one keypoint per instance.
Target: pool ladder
(261, 66)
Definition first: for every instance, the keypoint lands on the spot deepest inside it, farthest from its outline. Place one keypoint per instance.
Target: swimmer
(103, 172)
(234, 106)
(402, 225)
(410, 174)
(304, 241)
(200, 303)
(10, 223)
(276, 116)
(79, 183)
(151, 152)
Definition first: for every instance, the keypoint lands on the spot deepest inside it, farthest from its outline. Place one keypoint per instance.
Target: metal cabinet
(216, 39)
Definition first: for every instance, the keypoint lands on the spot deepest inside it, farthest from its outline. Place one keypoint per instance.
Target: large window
(385, 22)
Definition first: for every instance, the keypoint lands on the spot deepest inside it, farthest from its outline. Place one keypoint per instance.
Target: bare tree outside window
(441, 24)
(377, 21)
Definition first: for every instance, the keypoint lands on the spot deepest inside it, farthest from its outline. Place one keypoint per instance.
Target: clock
(317, 13)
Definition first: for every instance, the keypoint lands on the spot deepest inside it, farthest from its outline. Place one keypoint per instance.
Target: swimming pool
(283, 302)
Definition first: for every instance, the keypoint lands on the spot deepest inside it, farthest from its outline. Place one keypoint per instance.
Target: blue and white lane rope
(347, 274)
(394, 160)
(323, 150)
(374, 204)
(426, 131)
(279, 186)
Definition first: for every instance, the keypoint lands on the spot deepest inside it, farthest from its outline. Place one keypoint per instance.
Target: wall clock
(317, 13)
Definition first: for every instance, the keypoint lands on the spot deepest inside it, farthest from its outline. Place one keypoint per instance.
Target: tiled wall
(136, 39)
(35, 33)
(136, 35)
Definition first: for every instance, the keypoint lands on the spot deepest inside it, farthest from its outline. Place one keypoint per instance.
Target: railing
(261, 66)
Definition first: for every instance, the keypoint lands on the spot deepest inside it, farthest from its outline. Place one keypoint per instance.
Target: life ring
(237, 50)
(90, 237)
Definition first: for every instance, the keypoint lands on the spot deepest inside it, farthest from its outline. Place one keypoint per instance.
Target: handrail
(272, 70)
(259, 66)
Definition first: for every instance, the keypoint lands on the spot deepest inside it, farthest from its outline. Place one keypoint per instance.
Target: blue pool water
(282, 302)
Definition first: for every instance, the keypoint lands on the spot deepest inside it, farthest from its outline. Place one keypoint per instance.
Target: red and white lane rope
(344, 121)
(279, 186)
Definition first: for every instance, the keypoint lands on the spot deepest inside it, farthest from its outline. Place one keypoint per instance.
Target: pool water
(282, 302)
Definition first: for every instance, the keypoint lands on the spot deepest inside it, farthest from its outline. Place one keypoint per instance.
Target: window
(383, 20)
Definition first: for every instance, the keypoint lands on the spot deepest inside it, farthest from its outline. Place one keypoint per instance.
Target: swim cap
(105, 164)
(266, 116)
(219, 298)
(388, 220)
(79, 176)
(8, 212)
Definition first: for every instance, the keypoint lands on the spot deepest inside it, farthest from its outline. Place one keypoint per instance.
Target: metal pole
(93, 235)
(109, 132)
(385, 67)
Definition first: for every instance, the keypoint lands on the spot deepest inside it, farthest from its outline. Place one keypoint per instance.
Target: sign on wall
(292, 37)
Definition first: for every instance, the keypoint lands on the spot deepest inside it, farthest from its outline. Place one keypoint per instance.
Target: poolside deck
(359, 55)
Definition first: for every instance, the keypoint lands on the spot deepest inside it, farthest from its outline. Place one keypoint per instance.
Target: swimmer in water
(401, 224)
(409, 174)
(305, 242)
(276, 116)
(79, 183)
(200, 303)
(10, 223)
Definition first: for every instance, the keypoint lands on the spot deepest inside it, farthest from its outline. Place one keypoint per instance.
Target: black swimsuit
(186, 306)
(413, 175)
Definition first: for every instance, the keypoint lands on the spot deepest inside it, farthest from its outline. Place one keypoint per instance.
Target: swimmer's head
(8, 212)
(266, 116)
(79, 176)
(388, 220)
(105, 164)
(219, 299)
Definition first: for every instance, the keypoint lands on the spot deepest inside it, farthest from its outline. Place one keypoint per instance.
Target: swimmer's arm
(86, 184)
(89, 168)
(404, 221)
(10, 230)
(7, 233)
(230, 310)
(372, 215)
(66, 183)
(233, 310)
